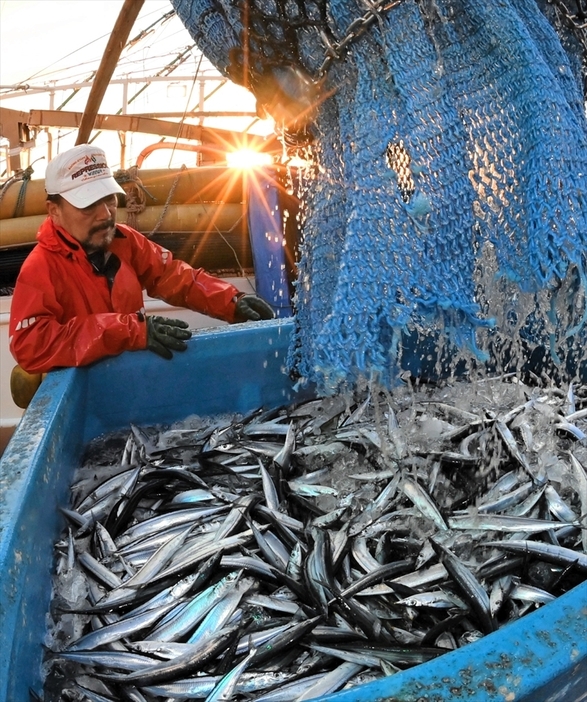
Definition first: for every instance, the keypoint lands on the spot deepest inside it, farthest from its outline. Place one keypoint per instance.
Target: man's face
(92, 226)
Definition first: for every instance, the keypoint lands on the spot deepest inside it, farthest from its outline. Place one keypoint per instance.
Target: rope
(6, 186)
(19, 207)
(166, 206)
(25, 176)
(187, 102)
(221, 235)
(136, 194)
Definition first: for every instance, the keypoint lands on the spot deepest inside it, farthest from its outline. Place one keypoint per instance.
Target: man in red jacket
(79, 294)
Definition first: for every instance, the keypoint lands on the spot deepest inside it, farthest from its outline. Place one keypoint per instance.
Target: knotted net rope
(136, 195)
(451, 132)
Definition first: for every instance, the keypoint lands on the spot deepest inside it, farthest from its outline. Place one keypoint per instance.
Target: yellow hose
(205, 184)
(21, 231)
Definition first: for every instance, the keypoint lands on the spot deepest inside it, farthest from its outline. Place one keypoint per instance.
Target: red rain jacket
(63, 313)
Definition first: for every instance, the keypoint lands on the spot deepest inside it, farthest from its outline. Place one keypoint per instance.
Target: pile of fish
(295, 552)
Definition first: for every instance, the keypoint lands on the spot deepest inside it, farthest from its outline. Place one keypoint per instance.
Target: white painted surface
(10, 414)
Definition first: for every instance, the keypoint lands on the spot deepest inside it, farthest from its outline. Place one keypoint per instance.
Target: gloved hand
(252, 307)
(165, 335)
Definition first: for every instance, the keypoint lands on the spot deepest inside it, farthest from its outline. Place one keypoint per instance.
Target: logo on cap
(92, 168)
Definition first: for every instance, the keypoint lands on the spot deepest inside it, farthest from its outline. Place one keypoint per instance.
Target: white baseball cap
(81, 175)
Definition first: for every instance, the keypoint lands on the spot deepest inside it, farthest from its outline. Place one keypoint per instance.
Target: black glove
(165, 335)
(251, 307)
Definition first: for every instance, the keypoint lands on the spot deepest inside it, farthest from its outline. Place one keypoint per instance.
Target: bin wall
(231, 369)
(228, 369)
(35, 473)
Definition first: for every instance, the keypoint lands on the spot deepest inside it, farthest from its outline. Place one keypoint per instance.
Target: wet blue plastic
(541, 657)
(267, 226)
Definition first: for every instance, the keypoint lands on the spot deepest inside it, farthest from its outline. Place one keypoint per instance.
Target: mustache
(108, 224)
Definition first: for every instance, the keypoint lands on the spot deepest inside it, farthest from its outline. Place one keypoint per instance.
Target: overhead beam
(116, 43)
(147, 125)
(16, 126)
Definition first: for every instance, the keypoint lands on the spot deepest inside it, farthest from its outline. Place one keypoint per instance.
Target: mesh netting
(450, 128)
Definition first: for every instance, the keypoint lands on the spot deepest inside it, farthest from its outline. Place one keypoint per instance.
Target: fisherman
(79, 295)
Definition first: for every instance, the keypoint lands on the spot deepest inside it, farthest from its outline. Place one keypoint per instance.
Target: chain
(572, 14)
(335, 51)
(575, 17)
(294, 141)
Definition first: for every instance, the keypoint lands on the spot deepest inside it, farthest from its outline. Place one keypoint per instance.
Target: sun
(248, 158)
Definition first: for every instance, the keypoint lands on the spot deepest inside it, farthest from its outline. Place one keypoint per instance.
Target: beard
(94, 242)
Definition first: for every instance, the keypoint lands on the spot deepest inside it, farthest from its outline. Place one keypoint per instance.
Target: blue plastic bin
(232, 369)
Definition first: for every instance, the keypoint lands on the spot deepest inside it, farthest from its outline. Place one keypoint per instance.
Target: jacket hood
(56, 240)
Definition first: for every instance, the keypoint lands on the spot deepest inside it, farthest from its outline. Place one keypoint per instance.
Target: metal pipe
(198, 148)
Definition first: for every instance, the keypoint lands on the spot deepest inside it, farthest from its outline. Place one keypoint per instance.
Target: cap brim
(89, 193)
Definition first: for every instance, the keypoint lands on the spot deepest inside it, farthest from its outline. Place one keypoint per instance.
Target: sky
(46, 43)
(37, 35)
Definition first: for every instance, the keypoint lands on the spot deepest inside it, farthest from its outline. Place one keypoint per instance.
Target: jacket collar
(60, 241)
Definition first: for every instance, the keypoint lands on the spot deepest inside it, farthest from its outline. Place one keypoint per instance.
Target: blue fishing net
(447, 130)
